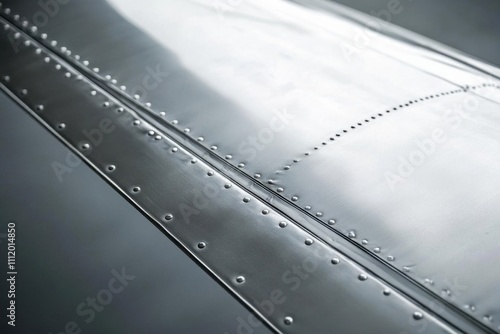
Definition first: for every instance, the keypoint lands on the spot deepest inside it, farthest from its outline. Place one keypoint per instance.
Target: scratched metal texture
(390, 145)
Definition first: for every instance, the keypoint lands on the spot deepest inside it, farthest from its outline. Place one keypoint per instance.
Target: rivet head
(364, 242)
(105, 104)
(307, 207)
(111, 168)
(123, 87)
(202, 245)
(240, 279)
(390, 258)
(107, 77)
(246, 199)
(58, 66)
(265, 211)
(120, 109)
(151, 133)
(295, 198)
(286, 167)
(213, 147)
(241, 165)
(362, 277)
(93, 93)
(38, 51)
(175, 121)
(61, 126)
(417, 315)
(331, 222)
(158, 137)
(24, 92)
(335, 260)
(17, 35)
(187, 130)
(280, 190)
(376, 249)
(210, 173)
(46, 59)
(169, 216)
(227, 185)
(137, 97)
(137, 122)
(162, 113)
(174, 149)
(53, 43)
(406, 269)
(257, 175)
(387, 292)
(86, 63)
(229, 157)
(193, 161)
(27, 43)
(309, 242)
(85, 146)
(319, 214)
(39, 107)
(6, 78)
(148, 104)
(283, 224)
(43, 36)
(351, 234)
(136, 189)
(96, 69)
(200, 139)
(288, 321)
(271, 181)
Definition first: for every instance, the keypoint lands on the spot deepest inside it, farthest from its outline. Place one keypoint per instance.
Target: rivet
(6, 78)
(17, 35)
(86, 63)
(7, 10)
(351, 234)
(136, 189)
(61, 126)
(151, 133)
(280, 190)
(85, 146)
(148, 104)
(213, 147)
(227, 186)
(96, 69)
(24, 92)
(331, 221)
(335, 260)
(282, 224)
(175, 149)
(136, 96)
(229, 157)
(210, 173)
(265, 212)
(63, 49)
(390, 258)
(256, 175)
(286, 167)
(376, 249)
(488, 318)
(364, 242)
(111, 168)
(169, 216)
(193, 161)
(319, 214)
(362, 277)
(137, 122)
(93, 92)
(307, 153)
(307, 207)
(39, 107)
(202, 245)
(187, 130)
(120, 109)
(105, 104)
(406, 269)
(288, 321)
(295, 198)
(387, 292)
(161, 113)
(38, 51)
(25, 23)
(123, 87)
(158, 137)
(27, 43)
(43, 36)
(6, 27)
(309, 242)
(114, 82)
(200, 138)
(47, 59)
(240, 279)
(175, 121)
(417, 315)
(58, 66)
(241, 165)
(53, 43)
(107, 77)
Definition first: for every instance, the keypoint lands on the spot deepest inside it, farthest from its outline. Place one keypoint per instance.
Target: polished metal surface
(386, 148)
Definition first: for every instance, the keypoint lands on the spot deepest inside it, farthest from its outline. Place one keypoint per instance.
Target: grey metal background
(316, 182)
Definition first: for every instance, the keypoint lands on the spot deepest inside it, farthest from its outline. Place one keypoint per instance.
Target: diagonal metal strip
(235, 232)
